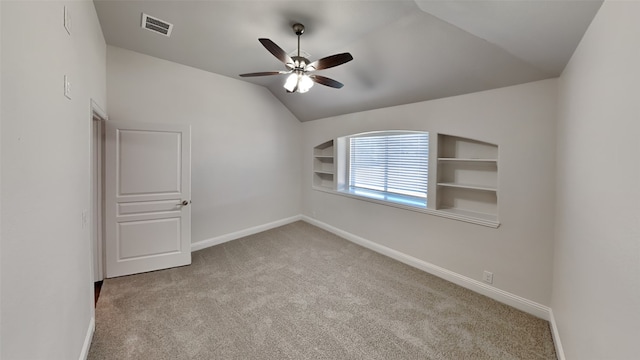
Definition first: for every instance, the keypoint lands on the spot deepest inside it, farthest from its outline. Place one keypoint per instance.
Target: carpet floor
(299, 292)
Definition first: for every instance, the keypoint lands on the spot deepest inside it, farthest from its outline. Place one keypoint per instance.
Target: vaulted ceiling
(404, 50)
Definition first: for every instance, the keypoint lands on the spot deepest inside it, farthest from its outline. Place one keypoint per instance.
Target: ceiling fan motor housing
(298, 29)
(300, 62)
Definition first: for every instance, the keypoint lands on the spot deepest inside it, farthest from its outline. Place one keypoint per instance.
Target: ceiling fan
(299, 67)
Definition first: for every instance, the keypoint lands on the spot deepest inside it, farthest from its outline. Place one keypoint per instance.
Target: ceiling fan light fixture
(291, 83)
(298, 66)
(304, 83)
(298, 82)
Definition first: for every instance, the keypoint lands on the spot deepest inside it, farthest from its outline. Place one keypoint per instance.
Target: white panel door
(147, 197)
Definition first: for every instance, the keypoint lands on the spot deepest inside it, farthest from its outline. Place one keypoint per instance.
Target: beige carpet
(299, 292)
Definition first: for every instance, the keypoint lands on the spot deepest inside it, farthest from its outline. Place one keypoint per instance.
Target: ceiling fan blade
(329, 62)
(264, 73)
(326, 81)
(277, 52)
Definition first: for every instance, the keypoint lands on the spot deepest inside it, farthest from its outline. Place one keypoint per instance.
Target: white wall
(521, 120)
(47, 289)
(596, 283)
(245, 143)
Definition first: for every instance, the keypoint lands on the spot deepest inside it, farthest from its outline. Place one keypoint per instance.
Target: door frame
(96, 166)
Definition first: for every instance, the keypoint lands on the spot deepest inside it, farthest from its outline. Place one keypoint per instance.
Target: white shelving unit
(467, 179)
(469, 186)
(324, 169)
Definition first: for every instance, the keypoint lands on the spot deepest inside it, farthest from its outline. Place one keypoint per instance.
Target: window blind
(395, 163)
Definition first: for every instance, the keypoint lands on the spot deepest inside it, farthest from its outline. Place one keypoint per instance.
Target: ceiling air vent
(156, 25)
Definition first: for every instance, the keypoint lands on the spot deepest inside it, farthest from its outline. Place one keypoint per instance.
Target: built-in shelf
(468, 186)
(324, 150)
(324, 165)
(323, 172)
(489, 161)
(467, 179)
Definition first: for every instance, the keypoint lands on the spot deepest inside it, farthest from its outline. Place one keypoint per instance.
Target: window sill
(469, 217)
(387, 198)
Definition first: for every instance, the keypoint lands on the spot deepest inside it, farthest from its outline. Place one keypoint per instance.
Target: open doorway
(98, 117)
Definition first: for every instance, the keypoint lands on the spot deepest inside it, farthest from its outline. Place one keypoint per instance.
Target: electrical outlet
(487, 277)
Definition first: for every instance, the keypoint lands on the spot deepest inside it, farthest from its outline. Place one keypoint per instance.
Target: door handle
(185, 202)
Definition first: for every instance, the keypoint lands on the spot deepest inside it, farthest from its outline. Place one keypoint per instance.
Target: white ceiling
(404, 50)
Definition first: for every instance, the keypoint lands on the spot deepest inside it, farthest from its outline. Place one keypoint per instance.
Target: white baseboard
(502, 296)
(556, 336)
(242, 233)
(87, 339)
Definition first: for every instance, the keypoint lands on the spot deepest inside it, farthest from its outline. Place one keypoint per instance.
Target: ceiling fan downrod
(298, 29)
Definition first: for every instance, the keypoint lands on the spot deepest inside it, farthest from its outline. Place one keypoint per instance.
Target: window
(389, 167)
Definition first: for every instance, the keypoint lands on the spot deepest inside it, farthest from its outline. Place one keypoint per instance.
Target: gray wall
(596, 282)
(46, 284)
(521, 120)
(245, 143)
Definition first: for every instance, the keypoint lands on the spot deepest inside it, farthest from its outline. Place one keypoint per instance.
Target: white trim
(555, 333)
(202, 244)
(96, 219)
(87, 340)
(96, 109)
(502, 296)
